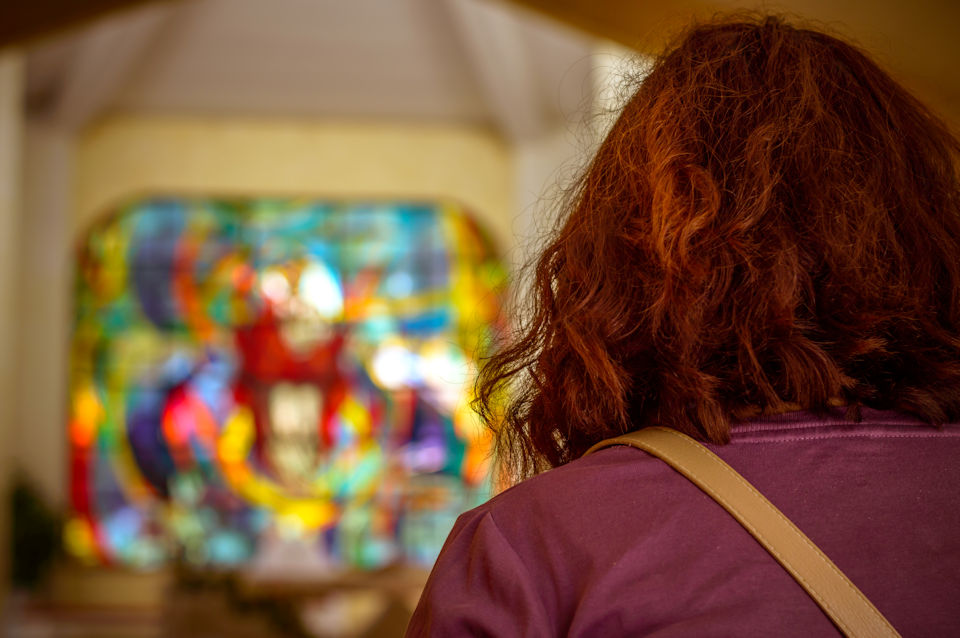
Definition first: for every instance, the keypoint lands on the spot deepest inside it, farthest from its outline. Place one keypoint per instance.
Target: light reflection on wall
(271, 368)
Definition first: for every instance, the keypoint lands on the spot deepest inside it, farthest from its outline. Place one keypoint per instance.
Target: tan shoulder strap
(839, 598)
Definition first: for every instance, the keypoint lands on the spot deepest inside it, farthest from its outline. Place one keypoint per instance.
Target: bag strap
(839, 598)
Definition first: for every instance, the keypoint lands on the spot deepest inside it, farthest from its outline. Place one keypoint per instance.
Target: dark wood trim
(22, 21)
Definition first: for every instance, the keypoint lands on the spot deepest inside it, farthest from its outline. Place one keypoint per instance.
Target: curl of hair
(771, 223)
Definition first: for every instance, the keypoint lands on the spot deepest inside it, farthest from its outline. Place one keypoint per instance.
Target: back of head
(772, 222)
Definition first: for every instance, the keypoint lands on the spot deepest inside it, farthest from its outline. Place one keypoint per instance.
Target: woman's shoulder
(580, 501)
(581, 482)
(522, 556)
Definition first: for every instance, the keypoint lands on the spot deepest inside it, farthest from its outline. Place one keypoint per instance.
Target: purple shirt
(619, 544)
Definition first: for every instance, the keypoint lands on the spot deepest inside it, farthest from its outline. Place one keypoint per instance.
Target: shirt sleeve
(479, 587)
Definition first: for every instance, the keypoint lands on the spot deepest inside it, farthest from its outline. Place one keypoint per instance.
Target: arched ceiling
(429, 60)
(517, 66)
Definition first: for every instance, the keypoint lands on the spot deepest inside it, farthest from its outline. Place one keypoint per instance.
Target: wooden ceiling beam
(645, 26)
(24, 20)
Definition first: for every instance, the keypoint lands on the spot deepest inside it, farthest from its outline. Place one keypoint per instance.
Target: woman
(765, 255)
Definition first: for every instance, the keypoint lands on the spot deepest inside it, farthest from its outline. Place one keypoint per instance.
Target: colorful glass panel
(263, 369)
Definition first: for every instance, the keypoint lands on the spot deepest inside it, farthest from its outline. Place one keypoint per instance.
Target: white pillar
(11, 123)
(545, 167)
(44, 308)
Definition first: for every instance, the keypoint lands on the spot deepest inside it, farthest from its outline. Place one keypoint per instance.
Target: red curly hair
(772, 223)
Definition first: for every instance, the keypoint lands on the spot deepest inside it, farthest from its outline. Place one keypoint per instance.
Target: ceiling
(466, 61)
(488, 62)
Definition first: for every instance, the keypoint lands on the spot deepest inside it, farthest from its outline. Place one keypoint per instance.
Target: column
(11, 123)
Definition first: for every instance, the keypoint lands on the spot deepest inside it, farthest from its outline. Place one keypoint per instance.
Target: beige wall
(125, 157)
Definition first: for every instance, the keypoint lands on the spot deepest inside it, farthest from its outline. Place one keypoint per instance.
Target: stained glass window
(249, 370)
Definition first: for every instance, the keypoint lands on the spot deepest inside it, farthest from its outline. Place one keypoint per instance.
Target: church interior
(251, 257)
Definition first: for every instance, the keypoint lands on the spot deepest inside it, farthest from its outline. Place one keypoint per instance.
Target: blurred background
(251, 254)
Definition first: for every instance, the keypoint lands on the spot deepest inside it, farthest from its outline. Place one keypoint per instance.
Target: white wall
(544, 168)
(548, 165)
